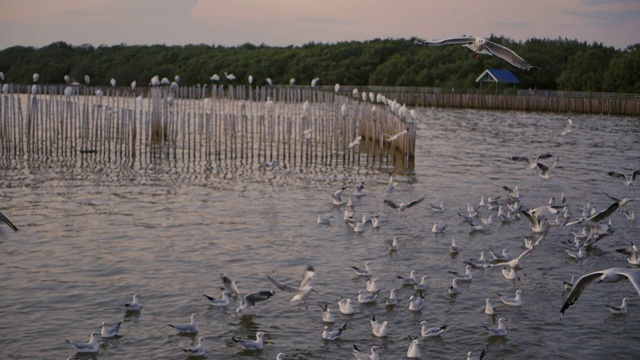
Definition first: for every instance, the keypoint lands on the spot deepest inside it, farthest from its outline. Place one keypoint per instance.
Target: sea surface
(93, 232)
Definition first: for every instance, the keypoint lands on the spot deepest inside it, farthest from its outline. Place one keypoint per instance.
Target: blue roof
(498, 75)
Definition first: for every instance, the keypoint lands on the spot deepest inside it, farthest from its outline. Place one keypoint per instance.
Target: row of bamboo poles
(198, 124)
(609, 105)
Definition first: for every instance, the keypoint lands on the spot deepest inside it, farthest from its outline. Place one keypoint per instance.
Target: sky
(296, 22)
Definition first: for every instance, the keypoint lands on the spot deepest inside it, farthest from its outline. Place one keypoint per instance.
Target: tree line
(563, 64)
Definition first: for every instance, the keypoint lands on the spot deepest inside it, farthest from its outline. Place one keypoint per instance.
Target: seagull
(393, 244)
(410, 280)
(620, 310)
(379, 329)
(248, 302)
(532, 164)
(229, 77)
(391, 138)
(488, 307)
(546, 171)
(580, 255)
(483, 46)
(614, 274)
(375, 221)
(594, 219)
(329, 334)
(438, 229)
(414, 348)
(198, 350)
(467, 276)
(256, 344)
(355, 142)
(358, 228)
(365, 297)
(391, 186)
(510, 274)
(372, 286)
(223, 301)
(391, 300)
(454, 288)
(567, 128)
(503, 256)
(89, 347)
(501, 330)
(362, 356)
(5, 220)
(568, 285)
(416, 303)
(628, 180)
(633, 257)
(110, 331)
(327, 315)
(337, 196)
(479, 357)
(345, 306)
(516, 301)
(537, 225)
(363, 272)
(302, 290)
(135, 304)
(402, 206)
(437, 208)
(431, 331)
(307, 133)
(422, 285)
(190, 328)
(324, 219)
(454, 248)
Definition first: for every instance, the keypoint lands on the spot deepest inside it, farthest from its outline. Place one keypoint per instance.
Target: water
(92, 234)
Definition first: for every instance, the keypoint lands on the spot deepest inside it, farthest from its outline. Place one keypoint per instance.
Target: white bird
(134, 305)
(414, 348)
(112, 82)
(355, 142)
(329, 334)
(501, 330)
(358, 228)
(538, 225)
(619, 310)
(580, 255)
(190, 328)
(614, 274)
(438, 229)
(248, 302)
(367, 271)
(488, 307)
(410, 280)
(324, 219)
(515, 301)
(36, 77)
(503, 256)
(87, 79)
(314, 82)
(416, 302)
(379, 329)
(302, 290)
(215, 77)
(363, 356)
(402, 206)
(375, 222)
(365, 297)
(628, 180)
(393, 244)
(372, 285)
(107, 331)
(391, 138)
(4, 219)
(467, 276)
(483, 46)
(426, 331)
(454, 248)
(567, 128)
(269, 81)
(437, 208)
(391, 300)
(593, 220)
(422, 285)
(248, 344)
(336, 88)
(546, 171)
(88, 347)
(345, 306)
(222, 301)
(510, 274)
(633, 257)
(327, 315)
(229, 77)
(454, 288)
(337, 196)
(250, 78)
(292, 81)
(198, 350)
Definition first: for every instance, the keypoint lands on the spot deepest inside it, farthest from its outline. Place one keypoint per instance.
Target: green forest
(563, 64)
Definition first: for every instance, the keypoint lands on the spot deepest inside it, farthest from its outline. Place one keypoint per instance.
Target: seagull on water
(248, 344)
(403, 206)
(222, 301)
(190, 328)
(410, 280)
(379, 329)
(302, 290)
(198, 350)
(481, 45)
(488, 307)
(248, 302)
(633, 257)
(416, 302)
(619, 310)
(337, 196)
(438, 229)
(345, 306)
(593, 220)
(134, 305)
(367, 271)
(108, 331)
(365, 297)
(515, 301)
(431, 331)
(363, 356)
(88, 347)
(327, 315)
(614, 274)
(467, 276)
(372, 285)
(454, 248)
(501, 256)
(391, 300)
(329, 334)
(567, 128)
(414, 348)
(501, 330)
(437, 208)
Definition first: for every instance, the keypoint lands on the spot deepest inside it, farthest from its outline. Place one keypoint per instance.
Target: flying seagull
(614, 274)
(482, 46)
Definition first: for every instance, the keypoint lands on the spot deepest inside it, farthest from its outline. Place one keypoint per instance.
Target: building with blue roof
(497, 76)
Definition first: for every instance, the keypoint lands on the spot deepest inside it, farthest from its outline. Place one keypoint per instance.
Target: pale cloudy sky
(296, 22)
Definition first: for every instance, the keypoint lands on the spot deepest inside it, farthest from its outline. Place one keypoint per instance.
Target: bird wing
(520, 158)
(605, 213)
(618, 175)
(508, 55)
(390, 203)
(415, 202)
(633, 275)
(534, 220)
(451, 41)
(579, 286)
(635, 174)
(230, 285)
(6, 221)
(307, 277)
(543, 167)
(544, 156)
(253, 298)
(282, 286)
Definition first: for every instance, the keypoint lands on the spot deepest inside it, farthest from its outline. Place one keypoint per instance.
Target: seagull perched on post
(483, 46)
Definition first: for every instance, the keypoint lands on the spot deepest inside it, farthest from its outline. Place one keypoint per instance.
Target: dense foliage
(563, 64)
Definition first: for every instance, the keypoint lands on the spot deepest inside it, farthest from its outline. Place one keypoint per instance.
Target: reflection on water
(93, 231)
